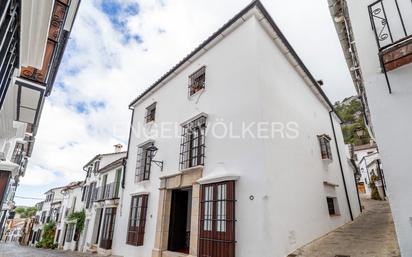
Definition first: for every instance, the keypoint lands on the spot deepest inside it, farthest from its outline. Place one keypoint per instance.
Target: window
(192, 147)
(332, 206)
(326, 152)
(217, 219)
(137, 220)
(90, 194)
(43, 216)
(150, 113)
(96, 166)
(144, 162)
(197, 81)
(104, 187)
(117, 182)
(70, 232)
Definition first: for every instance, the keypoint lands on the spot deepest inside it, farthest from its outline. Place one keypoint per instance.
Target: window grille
(150, 113)
(217, 220)
(324, 142)
(197, 81)
(143, 163)
(192, 147)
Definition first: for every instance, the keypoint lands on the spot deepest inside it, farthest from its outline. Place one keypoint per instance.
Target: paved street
(14, 250)
(370, 235)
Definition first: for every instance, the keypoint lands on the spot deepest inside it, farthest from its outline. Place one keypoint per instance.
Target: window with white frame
(325, 150)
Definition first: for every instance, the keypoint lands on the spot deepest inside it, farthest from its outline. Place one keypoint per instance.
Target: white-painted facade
(389, 112)
(281, 183)
(65, 227)
(47, 211)
(26, 78)
(95, 196)
(364, 156)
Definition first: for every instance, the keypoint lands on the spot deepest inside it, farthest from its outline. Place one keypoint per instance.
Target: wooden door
(217, 220)
(4, 181)
(108, 227)
(361, 188)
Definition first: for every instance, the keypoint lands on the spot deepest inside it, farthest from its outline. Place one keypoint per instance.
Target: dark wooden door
(108, 227)
(178, 221)
(4, 181)
(217, 220)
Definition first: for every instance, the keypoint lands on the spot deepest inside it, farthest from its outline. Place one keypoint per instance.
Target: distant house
(365, 156)
(101, 198)
(66, 228)
(204, 194)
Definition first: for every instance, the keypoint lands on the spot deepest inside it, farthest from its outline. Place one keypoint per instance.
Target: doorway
(180, 220)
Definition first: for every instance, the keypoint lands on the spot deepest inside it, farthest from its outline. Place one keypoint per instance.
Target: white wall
(390, 117)
(248, 79)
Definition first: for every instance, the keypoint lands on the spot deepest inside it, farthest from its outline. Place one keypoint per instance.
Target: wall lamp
(153, 151)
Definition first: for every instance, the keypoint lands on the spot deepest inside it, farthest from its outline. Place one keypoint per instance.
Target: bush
(47, 240)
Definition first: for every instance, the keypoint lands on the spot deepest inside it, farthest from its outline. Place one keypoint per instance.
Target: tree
(352, 115)
(26, 212)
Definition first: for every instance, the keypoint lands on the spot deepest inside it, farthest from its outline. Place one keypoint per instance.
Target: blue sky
(119, 47)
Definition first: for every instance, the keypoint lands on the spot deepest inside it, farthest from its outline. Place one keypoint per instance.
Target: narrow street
(372, 234)
(15, 250)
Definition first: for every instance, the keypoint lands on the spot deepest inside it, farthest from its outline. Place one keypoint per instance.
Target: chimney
(118, 148)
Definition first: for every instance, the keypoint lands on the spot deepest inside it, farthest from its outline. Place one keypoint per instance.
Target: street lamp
(152, 153)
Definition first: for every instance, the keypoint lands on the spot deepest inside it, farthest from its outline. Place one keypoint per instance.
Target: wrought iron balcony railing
(110, 191)
(391, 21)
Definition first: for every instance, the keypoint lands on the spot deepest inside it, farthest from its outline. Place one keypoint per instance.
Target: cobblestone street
(15, 250)
(372, 234)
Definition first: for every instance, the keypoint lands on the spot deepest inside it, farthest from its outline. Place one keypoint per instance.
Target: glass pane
(221, 208)
(208, 208)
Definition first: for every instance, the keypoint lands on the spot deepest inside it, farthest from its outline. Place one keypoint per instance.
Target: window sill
(334, 215)
(198, 93)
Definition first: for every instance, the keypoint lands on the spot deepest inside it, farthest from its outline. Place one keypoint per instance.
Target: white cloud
(101, 67)
(38, 177)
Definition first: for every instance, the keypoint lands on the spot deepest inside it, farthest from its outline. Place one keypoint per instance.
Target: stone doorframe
(184, 179)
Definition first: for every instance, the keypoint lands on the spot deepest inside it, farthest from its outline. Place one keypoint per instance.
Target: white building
(47, 211)
(366, 156)
(102, 190)
(264, 192)
(66, 237)
(33, 35)
(376, 40)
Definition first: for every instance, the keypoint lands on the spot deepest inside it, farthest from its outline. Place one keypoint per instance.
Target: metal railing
(107, 192)
(391, 21)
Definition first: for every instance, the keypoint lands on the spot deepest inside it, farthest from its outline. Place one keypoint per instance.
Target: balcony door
(217, 220)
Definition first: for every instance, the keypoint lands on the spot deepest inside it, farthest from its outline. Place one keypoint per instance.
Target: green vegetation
(26, 212)
(79, 217)
(47, 241)
(353, 119)
(375, 193)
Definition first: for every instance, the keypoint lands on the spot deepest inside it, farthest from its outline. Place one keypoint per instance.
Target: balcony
(391, 22)
(108, 192)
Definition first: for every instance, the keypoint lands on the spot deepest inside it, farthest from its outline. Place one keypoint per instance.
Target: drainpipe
(340, 165)
(356, 183)
(128, 149)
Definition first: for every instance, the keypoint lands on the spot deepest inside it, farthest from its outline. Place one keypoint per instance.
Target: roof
(266, 19)
(101, 155)
(112, 165)
(52, 189)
